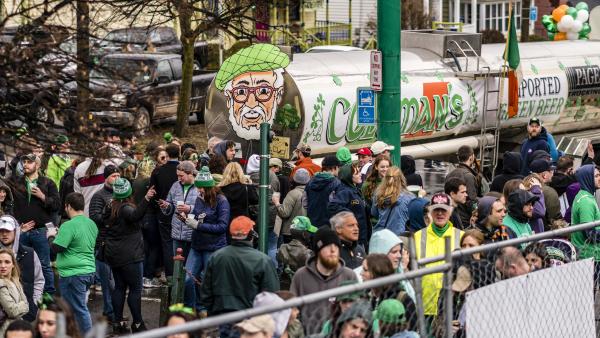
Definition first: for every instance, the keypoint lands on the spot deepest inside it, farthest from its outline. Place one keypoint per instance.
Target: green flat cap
(256, 58)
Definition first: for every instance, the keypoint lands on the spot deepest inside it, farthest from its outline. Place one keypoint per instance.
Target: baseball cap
(364, 151)
(535, 120)
(463, 280)
(302, 223)
(240, 227)
(541, 165)
(440, 201)
(60, 139)
(7, 223)
(30, 157)
(303, 148)
(263, 323)
(275, 162)
(379, 147)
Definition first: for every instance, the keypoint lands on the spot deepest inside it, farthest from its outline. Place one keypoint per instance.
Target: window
(497, 15)
(164, 69)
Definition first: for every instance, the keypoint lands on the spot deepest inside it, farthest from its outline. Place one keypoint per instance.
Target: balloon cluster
(568, 23)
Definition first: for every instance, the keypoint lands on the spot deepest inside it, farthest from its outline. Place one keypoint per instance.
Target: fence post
(418, 286)
(178, 277)
(448, 289)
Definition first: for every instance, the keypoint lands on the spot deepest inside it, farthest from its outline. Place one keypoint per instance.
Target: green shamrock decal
(288, 117)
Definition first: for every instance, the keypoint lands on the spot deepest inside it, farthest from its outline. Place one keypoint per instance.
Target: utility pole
(388, 100)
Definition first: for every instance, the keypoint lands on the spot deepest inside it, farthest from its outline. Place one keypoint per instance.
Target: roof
(142, 56)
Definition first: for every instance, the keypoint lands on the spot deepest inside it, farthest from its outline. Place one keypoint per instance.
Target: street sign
(376, 75)
(366, 106)
(533, 13)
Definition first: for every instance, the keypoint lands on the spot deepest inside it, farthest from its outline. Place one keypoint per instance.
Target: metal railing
(238, 316)
(322, 34)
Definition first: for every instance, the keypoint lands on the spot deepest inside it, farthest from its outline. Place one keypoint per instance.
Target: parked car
(134, 90)
(149, 39)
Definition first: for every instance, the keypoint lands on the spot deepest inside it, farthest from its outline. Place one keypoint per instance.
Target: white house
(356, 12)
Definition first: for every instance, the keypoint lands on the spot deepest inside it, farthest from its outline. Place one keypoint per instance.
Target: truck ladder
(488, 151)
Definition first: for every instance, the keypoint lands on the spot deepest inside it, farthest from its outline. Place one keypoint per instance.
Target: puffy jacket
(291, 207)
(13, 303)
(352, 253)
(511, 169)
(124, 244)
(585, 209)
(399, 214)
(210, 234)
(530, 145)
(348, 197)
(100, 201)
(308, 280)
(428, 244)
(179, 230)
(234, 276)
(318, 195)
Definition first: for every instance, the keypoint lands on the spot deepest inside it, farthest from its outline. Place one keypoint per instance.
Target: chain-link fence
(482, 291)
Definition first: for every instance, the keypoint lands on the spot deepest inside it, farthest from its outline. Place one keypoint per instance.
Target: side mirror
(162, 79)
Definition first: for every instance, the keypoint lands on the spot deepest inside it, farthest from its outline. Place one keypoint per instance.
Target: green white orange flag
(515, 76)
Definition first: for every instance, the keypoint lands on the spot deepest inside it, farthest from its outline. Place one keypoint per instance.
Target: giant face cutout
(252, 99)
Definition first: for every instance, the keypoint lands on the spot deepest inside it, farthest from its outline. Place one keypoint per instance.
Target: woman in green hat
(209, 220)
(124, 253)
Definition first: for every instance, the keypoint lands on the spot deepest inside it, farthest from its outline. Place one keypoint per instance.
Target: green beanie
(390, 311)
(168, 137)
(121, 189)
(343, 155)
(204, 179)
(302, 223)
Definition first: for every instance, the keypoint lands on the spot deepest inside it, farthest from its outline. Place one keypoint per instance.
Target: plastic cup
(179, 203)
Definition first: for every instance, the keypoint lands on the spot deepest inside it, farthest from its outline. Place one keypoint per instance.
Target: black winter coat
(34, 209)
(124, 243)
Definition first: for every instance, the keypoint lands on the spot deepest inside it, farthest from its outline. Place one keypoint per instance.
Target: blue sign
(533, 13)
(365, 98)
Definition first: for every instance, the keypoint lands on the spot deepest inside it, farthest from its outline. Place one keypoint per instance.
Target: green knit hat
(390, 311)
(61, 139)
(343, 155)
(256, 58)
(302, 223)
(204, 179)
(121, 189)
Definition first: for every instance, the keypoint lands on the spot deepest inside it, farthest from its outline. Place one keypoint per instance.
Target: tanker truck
(450, 85)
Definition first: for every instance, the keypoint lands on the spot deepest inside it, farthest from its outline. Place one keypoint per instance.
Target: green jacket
(234, 275)
(585, 210)
(57, 165)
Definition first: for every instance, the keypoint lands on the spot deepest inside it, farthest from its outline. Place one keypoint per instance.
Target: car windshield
(134, 71)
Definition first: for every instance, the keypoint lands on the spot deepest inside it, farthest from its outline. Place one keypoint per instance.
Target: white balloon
(582, 15)
(567, 22)
(572, 36)
(576, 26)
(560, 27)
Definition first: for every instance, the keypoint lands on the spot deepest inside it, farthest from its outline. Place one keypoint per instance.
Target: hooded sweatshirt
(496, 234)
(585, 209)
(530, 145)
(309, 280)
(511, 168)
(382, 242)
(348, 197)
(221, 149)
(32, 277)
(516, 220)
(416, 219)
(408, 166)
(571, 193)
(318, 195)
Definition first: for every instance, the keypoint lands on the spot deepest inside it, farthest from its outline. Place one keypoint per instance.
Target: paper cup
(179, 203)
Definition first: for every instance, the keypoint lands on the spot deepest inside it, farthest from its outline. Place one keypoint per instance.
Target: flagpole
(503, 71)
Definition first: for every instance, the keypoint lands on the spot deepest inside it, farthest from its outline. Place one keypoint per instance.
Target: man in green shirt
(74, 245)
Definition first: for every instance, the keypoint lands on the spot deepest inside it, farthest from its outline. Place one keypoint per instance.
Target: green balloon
(552, 28)
(572, 11)
(582, 5)
(549, 23)
(550, 36)
(585, 30)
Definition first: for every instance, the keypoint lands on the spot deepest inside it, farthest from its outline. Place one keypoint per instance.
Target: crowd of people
(117, 219)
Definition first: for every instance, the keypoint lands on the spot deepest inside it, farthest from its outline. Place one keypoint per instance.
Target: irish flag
(511, 56)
